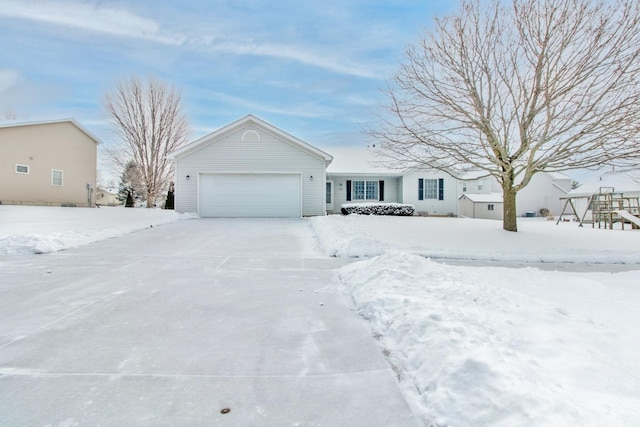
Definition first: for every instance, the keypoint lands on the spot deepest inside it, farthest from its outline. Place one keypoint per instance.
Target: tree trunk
(509, 220)
(150, 200)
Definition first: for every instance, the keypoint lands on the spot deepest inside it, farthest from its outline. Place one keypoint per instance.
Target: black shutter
(420, 189)
(348, 190)
(441, 189)
(381, 188)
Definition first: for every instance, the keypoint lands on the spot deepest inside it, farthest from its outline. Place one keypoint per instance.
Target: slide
(626, 215)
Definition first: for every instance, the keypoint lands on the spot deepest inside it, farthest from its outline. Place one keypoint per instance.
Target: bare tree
(517, 88)
(8, 114)
(149, 121)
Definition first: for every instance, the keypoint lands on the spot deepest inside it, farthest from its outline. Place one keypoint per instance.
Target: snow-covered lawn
(537, 240)
(496, 346)
(472, 346)
(37, 229)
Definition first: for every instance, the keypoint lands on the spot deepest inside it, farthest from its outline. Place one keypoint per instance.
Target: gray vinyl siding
(230, 154)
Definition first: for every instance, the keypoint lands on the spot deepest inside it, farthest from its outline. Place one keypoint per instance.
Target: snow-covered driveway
(173, 324)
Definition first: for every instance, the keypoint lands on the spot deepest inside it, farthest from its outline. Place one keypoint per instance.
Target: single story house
(107, 196)
(48, 163)
(357, 175)
(250, 168)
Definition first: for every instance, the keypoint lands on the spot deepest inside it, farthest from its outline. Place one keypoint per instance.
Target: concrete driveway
(174, 324)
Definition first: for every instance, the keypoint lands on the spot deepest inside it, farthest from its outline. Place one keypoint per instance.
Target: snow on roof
(622, 182)
(484, 198)
(558, 176)
(357, 161)
(110, 190)
(473, 174)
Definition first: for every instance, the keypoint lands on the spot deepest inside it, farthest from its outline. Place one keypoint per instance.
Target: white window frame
(365, 182)
(490, 207)
(433, 189)
(24, 166)
(53, 184)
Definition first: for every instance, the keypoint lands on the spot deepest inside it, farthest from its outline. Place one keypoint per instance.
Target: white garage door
(268, 195)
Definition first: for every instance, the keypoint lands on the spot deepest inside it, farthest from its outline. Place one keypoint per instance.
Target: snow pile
(537, 240)
(338, 241)
(377, 209)
(37, 229)
(504, 347)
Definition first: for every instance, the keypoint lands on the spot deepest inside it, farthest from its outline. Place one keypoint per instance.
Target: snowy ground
(472, 346)
(495, 346)
(537, 240)
(34, 229)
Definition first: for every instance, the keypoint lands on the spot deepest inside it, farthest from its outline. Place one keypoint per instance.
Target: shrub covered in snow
(377, 209)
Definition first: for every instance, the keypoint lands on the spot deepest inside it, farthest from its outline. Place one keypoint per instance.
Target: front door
(329, 195)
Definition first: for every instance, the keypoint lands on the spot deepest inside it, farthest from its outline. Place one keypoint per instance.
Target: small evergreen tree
(168, 204)
(130, 183)
(129, 202)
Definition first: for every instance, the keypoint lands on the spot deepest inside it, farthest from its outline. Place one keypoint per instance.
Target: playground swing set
(607, 207)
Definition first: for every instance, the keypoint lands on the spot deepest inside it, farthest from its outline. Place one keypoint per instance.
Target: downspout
(89, 191)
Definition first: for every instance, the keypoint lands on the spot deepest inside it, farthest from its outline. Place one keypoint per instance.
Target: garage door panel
(250, 195)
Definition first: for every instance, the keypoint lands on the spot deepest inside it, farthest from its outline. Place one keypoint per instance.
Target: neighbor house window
(431, 189)
(365, 190)
(22, 169)
(490, 207)
(56, 177)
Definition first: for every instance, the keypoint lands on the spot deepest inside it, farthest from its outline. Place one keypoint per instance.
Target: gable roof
(357, 161)
(238, 124)
(47, 122)
(621, 182)
(483, 198)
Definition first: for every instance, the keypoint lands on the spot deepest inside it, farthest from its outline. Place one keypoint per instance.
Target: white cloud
(120, 22)
(307, 110)
(87, 16)
(8, 79)
(306, 55)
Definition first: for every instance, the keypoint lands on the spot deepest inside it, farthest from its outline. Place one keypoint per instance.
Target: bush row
(378, 209)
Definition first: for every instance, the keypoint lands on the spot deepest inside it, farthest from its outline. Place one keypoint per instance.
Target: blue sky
(312, 68)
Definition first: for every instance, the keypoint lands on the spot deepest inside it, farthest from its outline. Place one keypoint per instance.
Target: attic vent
(250, 136)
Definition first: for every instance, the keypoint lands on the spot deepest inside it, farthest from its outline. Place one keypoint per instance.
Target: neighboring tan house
(107, 197)
(250, 168)
(47, 163)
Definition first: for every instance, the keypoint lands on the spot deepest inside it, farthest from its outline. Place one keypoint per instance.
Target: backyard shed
(250, 168)
(482, 206)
